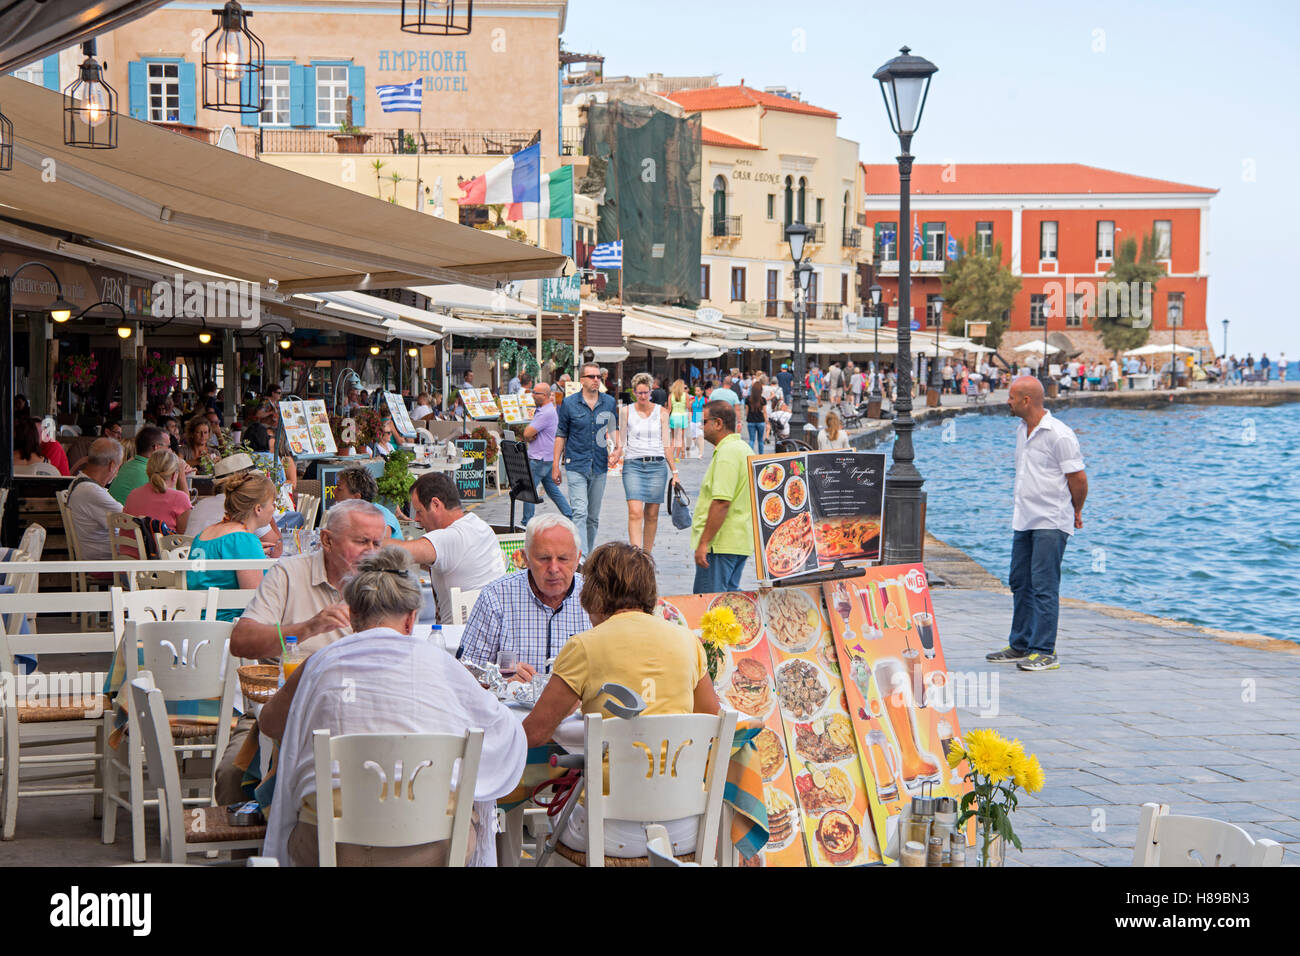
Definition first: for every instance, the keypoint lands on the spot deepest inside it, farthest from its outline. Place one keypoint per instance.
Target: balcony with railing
(816, 232)
(571, 140)
(852, 239)
(455, 142)
(784, 309)
(724, 227)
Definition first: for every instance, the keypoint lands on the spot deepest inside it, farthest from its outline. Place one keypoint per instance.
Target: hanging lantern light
(413, 352)
(6, 144)
(443, 18)
(374, 350)
(233, 62)
(125, 331)
(90, 106)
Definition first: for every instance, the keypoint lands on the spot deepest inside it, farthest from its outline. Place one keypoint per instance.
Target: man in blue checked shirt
(531, 612)
(585, 431)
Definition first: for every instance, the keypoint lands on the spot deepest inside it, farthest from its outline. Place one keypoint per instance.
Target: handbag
(679, 506)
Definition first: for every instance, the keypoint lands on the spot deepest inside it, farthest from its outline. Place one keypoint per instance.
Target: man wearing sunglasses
(586, 430)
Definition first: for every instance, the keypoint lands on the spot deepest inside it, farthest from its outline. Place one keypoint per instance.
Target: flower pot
(350, 142)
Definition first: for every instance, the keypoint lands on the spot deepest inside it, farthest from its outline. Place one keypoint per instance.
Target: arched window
(789, 200)
(720, 205)
(803, 196)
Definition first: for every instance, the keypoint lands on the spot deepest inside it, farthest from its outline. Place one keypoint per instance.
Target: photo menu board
(479, 403)
(815, 508)
(517, 409)
(400, 416)
(307, 428)
(902, 698)
(785, 675)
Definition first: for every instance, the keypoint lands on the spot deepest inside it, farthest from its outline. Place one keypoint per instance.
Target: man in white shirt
(89, 502)
(460, 549)
(1050, 490)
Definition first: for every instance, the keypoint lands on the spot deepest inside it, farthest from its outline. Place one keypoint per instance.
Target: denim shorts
(645, 479)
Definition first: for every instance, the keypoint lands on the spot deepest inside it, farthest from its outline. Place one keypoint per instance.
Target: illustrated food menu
(479, 403)
(400, 416)
(815, 508)
(517, 409)
(307, 427)
(902, 698)
(785, 673)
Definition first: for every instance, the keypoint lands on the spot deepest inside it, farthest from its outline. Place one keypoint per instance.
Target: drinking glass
(919, 766)
(925, 632)
(508, 663)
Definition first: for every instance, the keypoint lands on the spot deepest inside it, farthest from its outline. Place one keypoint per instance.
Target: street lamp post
(1225, 340)
(1175, 313)
(802, 279)
(936, 378)
(874, 400)
(796, 234)
(904, 84)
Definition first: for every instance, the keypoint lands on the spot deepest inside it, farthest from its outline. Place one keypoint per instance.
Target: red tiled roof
(711, 137)
(978, 179)
(738, 97)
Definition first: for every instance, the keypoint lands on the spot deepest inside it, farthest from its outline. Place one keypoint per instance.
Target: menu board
(471, 477)
(400, 416)
(479, 403)
(784, 674)
(307, 427)
(572, 388)
(816, 508)
(900, 693)
(517, 409)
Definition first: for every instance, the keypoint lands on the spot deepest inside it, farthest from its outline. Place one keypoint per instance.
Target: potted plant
(396, 481)
(350, 138)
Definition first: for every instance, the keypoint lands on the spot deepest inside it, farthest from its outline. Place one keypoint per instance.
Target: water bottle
(291, 660)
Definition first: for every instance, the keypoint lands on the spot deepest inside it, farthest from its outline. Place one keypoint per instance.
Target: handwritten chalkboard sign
(329, 478)
(471, 477)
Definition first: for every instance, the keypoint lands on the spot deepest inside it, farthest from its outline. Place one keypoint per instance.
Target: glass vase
(990, 847)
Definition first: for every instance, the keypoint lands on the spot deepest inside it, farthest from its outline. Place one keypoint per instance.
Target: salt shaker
(913, 854)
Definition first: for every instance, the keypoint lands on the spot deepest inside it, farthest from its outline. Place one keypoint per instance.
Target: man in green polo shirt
(135, 473)
(722, 530)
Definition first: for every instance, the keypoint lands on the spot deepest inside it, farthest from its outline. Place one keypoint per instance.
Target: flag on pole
(513, 181)
(916, 235)
(608, 255)
(403, 98)
(557, 198)
(952, 247)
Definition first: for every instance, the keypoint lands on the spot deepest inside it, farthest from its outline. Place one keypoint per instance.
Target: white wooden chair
(70, 712)
(171, 544)
(178, 612)
(309, 508)
(408, 815)
(125, 532)
(30, 549)
(199, 829)
(1166, 839)
(665, 767)
(79, 580)
(660, 849)
(462, 603)
(33, 541)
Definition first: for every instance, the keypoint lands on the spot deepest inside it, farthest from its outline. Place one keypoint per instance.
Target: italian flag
(557, 198)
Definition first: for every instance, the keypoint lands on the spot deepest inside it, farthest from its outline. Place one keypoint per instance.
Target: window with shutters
(1047, 241)
(331, 95)
(886, 241)
(738, 284)
(275, 95)
(32, 74)
(1105, 239)
(844, 288)
(704, 282)
(1037, 311)
(984, 238)
(934, 236)
(164, 93)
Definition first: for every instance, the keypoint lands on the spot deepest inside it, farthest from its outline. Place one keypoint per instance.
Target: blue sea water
(1193, 512)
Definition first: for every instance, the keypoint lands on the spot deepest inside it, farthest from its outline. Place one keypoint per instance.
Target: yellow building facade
(768, 160)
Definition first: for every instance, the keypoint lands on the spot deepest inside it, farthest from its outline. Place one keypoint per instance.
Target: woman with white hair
(383, 680)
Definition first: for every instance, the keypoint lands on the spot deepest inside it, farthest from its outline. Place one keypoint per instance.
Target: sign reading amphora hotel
(444, 71)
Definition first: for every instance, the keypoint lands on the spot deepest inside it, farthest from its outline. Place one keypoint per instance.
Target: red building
(1059, 225)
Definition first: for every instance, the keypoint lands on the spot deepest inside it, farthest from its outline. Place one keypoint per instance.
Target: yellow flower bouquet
(718, 629)
(998, 769)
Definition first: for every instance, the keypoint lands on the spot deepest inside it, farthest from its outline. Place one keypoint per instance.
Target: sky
(1194, 92)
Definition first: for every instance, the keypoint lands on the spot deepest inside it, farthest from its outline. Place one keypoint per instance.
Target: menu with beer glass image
(783, 674)
(812, 509)
(900, 694)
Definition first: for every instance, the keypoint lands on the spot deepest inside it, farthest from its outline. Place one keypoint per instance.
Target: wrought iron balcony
(816, 232)
(458, 142)
(725, 227)
(852, 239)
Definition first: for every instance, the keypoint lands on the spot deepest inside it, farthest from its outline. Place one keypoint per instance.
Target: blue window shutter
(50, 66)
(246, 87)
(357, 90)
(566, 236)
(302, 95)
(188, 101)
(138, 84)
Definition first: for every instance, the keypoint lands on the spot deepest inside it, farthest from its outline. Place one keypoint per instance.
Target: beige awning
(29, 31)
(170, 196)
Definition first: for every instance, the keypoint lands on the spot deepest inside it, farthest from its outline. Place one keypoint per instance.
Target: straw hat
(232, 465)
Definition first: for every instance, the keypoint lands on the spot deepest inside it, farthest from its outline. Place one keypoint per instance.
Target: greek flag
(952, 247)
(608, 255)
(916, 236)
(405, 98)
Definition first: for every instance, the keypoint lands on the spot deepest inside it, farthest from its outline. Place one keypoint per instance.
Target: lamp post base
(904, 515)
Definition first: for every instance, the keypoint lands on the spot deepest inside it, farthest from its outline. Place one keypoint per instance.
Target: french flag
(517, 180)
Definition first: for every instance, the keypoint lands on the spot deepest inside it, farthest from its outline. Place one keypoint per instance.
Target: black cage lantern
(443, 18)
(90, 106)
(6, 143)
(233, 62)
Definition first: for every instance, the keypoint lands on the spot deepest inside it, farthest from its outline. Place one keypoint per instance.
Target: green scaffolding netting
(647, 162)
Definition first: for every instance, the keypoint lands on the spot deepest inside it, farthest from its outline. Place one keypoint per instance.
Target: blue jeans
(1035, 589)
(541, 470)
(722, 574)
(756, 430)
(586, 491)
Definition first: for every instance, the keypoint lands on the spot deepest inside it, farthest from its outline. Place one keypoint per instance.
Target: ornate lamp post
(874, 399)
(904, 85)
(1175, 313)
(933, 396)
(796, 234)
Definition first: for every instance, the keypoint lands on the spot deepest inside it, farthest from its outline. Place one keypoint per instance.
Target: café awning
(33, 30)
(172, 197)
(679, 348)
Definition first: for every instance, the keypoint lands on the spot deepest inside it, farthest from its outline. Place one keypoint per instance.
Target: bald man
(1049, 493)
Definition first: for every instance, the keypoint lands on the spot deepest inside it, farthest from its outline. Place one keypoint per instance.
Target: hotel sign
(446, 71)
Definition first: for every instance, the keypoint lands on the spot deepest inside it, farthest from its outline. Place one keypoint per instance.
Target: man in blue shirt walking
(586, 428)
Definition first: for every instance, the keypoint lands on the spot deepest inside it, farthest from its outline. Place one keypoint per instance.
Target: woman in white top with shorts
(643, 433)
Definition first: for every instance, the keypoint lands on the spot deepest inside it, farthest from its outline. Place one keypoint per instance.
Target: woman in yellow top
(679, 419)
(632, 646)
